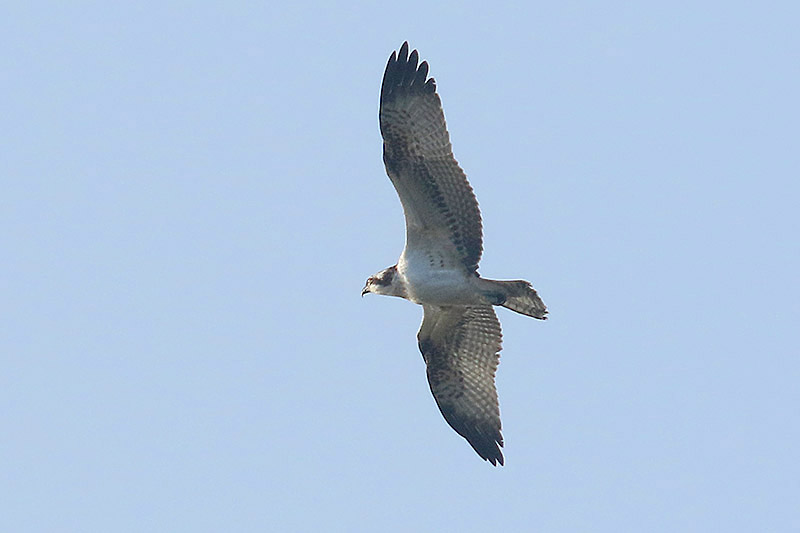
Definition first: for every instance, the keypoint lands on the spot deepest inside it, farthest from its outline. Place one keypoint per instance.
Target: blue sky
(193, 195)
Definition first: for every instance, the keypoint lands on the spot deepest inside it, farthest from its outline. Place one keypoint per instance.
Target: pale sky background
(193, 196)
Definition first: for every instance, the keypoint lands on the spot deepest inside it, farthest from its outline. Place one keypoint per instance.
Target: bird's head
(384, 282)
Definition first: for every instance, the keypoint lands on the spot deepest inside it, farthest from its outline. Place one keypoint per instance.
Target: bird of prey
(460, 336)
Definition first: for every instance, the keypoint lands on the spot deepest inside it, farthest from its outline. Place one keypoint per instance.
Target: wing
(461, 348)
(437, 199)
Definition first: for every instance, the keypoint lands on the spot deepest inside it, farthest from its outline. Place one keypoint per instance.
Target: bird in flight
(460, 336)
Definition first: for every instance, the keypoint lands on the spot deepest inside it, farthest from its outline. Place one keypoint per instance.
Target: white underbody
(434, 277)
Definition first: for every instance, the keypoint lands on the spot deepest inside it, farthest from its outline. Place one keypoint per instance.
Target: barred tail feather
(516, 295)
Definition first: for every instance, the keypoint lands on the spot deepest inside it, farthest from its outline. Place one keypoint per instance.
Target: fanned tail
(517, 295)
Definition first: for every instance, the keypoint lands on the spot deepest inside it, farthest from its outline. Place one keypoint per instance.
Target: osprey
(460, 336)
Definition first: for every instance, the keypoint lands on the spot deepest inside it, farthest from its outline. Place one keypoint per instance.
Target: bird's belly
(429, 282)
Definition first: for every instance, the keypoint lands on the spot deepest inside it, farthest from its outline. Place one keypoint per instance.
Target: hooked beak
(365, 290)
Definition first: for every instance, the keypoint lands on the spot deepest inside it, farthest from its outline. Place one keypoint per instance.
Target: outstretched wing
(461, 348)
(438, 201)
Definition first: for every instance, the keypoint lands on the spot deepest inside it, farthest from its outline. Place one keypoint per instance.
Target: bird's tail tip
(517, 295)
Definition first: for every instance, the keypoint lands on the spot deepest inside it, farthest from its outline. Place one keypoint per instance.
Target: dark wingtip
(405, 72)
(403, 55)
(413, 60)
(491, 452)
(496, 459)
(487, 441)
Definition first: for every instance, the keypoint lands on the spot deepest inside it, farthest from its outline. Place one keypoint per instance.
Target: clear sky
(193, 195)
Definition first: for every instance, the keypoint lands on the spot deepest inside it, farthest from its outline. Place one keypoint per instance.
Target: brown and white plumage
(461, 347)
(460, 336)
(433, 189)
